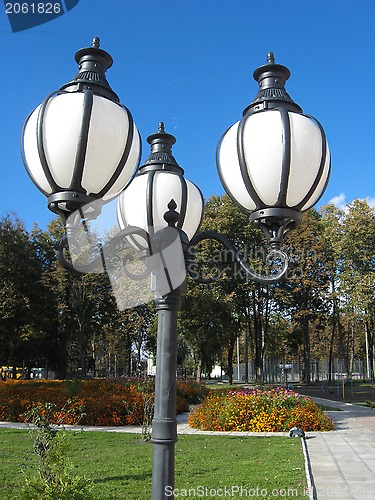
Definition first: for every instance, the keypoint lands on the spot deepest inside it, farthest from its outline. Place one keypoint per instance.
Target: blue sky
(189, 63)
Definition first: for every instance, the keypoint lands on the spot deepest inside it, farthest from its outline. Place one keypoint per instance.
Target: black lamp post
(80, 148)
(160, 184)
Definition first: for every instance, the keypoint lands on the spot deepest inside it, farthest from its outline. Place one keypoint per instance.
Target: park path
(343, 461)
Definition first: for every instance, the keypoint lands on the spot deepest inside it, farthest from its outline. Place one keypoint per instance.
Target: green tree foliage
(326, 308)
(242, 302)
(303, 295)
(358, 273)
(24, 300)
(207, 329)
(82, 304)
(311, 315)
(66, 323)
(332, 219)
(98, 336)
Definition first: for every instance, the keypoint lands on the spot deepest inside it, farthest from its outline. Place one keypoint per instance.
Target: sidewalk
(343, 461)
(182, 428)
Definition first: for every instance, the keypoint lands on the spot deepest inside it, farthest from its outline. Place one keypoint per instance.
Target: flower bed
(277, 410)
(103, 402)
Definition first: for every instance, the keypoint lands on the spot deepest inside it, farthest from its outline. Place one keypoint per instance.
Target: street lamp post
(160, 184)
(81, 147)
(284, 367)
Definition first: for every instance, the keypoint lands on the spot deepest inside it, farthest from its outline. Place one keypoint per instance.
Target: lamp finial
(270, 58)
(271, 78)
(96, 42)
(161, 150)
(171, 217)
(93, 63)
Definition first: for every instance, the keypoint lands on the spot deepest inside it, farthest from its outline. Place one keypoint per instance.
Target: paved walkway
(342, 461)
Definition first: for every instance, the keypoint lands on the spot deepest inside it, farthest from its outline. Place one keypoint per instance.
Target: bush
(55, 477)
(104, 402)
(190, 391)
(277, 410)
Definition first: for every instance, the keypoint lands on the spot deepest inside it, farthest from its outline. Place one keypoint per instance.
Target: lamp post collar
(271, 78)
(161, 157)
(93, 63)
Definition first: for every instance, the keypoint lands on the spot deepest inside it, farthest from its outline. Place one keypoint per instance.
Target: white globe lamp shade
(81, 144)
(260, 168)
(275, 162)
(160, 180)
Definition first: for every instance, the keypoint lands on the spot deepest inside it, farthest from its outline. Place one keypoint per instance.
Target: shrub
(277, 410)
(104, 402)
(190, 391)
(55, 477)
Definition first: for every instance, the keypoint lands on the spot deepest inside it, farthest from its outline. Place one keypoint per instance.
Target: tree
(204, 328)
(332, 219)
(303, 295)
(358, 274)
(84, 304)
(247, 303)
(24, 326)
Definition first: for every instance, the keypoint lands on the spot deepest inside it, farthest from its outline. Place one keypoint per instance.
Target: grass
(120, 465)
(328, 408)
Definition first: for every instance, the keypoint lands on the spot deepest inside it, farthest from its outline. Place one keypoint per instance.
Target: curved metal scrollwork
(99, 260)
(274, 256)
(276, 260)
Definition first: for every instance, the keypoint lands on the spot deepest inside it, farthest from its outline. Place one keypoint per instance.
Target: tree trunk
(343, 346)
(93, 356)
(330, 358)
(246, 356)
(129, 354)
(230, 360)
(199, 369)
(306, 351)
(335, 321)
(370, 344)
(82, 352)
(258, 343)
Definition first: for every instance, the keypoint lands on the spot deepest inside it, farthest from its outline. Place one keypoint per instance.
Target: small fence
(279, 372)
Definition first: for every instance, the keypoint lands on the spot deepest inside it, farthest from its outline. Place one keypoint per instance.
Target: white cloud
(371, 201)
(339, 201)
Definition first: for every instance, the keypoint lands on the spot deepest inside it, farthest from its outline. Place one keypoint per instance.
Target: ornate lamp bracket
(276, 260)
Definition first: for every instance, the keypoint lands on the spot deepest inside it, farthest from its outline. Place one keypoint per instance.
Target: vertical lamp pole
(160, 184)
(164, 423)
(81, 147)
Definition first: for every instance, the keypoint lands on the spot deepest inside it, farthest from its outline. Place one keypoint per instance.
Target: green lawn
(120, 465)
